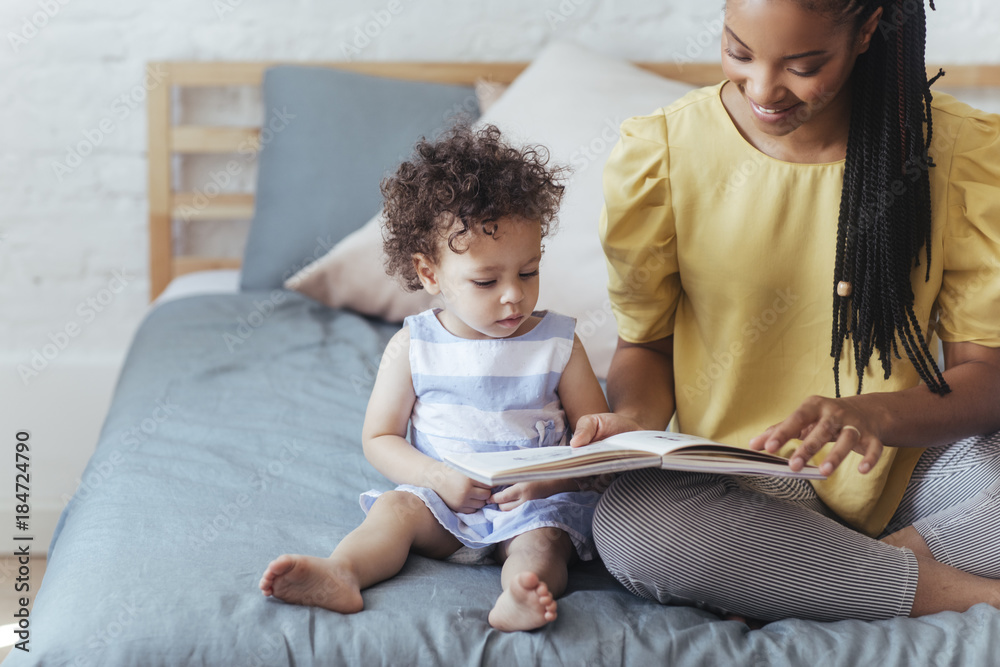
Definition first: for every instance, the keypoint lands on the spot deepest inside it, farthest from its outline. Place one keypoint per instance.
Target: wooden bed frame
(167, 139)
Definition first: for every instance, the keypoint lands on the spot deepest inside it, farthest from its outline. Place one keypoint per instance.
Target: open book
(625, 451)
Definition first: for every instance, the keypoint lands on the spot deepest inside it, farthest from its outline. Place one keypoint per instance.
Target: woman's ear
(868, 30)
(426, 273)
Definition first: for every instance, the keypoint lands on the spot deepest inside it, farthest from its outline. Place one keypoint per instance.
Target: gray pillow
(329, 137)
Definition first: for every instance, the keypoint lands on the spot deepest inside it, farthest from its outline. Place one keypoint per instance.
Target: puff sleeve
(637, 232)
(969, 301)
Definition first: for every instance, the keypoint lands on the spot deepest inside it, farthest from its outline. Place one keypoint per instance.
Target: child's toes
(529, 580)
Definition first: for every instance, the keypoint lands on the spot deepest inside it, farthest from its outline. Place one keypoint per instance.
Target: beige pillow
(572, 101)
(352, 276)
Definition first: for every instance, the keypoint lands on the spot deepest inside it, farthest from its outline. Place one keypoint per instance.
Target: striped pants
(768, 548)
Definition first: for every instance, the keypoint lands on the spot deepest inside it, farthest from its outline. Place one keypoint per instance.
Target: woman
(733, 219)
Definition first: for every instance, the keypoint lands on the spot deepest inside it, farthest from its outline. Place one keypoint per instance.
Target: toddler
(465, 219)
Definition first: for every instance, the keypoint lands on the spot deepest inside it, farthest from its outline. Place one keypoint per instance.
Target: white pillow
(572, 101)
(488, 92)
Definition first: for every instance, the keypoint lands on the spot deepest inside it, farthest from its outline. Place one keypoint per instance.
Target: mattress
(234, 436)
(219, 281)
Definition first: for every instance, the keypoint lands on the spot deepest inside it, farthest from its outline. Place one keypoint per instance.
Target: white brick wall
(69, 65)
(63, 235)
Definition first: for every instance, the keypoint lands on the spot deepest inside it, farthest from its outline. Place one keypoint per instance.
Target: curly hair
(470, 178)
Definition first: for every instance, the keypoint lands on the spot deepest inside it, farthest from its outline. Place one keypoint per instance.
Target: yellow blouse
(732, 252)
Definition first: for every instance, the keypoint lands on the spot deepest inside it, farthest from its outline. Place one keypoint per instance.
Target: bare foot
(314, 582)
(525, 605)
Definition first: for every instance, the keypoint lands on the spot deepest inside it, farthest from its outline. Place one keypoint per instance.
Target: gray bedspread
(234, 436)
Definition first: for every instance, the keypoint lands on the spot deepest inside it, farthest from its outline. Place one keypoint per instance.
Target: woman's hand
(600, 426)
(820, 420)
(461, 494)
(517, 494)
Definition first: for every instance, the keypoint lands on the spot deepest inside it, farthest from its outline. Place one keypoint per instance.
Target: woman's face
(790, 64)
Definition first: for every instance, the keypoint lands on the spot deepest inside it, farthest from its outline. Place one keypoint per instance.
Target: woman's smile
(774, 114)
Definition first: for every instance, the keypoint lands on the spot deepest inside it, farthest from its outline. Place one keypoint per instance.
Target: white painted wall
(73, 245)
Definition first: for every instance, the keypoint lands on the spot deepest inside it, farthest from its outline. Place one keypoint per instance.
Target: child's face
(788, 63)
(491, 289)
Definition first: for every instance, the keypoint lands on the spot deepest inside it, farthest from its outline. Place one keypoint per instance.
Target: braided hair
(880, 233)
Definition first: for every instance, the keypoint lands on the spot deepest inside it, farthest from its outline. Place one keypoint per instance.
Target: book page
(658, 442)
(625, 451)
(540, 458)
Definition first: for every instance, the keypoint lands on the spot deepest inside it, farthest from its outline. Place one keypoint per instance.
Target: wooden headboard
(167, 139)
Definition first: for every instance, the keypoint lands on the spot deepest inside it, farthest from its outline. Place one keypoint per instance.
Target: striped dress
(493, 395)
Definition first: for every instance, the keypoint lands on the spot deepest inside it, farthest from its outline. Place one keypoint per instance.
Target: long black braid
(880, 232)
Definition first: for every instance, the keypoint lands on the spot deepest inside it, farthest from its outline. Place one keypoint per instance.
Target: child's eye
(483, 283)
(529, 274)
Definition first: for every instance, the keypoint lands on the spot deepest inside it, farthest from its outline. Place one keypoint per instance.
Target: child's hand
(517, 494)
(594, 427)
(461, 494)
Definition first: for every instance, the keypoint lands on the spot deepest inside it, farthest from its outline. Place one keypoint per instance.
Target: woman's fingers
(846, 439)
(817, 422)
(757, 442)
(822, 432)
(807, 414)
(868, 446)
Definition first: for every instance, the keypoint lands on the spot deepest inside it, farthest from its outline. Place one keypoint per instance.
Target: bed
(234, 436)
